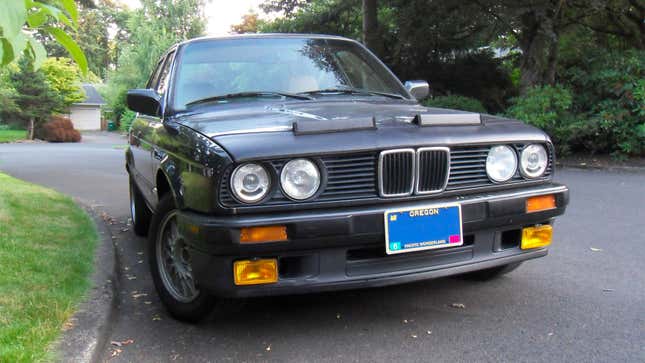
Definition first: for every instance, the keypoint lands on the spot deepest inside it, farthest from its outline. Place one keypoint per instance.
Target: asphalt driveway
(584, 302)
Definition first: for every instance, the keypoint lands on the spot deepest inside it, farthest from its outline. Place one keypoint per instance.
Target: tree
(538, 25)
(624, 19)
(64, 79)
(20, 19)
(250, 24)
(7, 94)
(287, 7)
(101, 29)
(371, 37)
(341, 17)
(150, 35)
(34, 98)
(439, 41)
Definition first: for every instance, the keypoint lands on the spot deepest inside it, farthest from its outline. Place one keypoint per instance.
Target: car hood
(265, 130)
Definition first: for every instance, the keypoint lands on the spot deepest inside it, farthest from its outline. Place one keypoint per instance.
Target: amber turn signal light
(263, 234)
(538, 236)
(255, 272)
(540, 203)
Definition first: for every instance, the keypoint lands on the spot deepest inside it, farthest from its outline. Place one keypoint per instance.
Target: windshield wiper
(248, 94)
(353, 91)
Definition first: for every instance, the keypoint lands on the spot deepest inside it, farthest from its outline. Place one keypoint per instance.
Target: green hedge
(126, 120)
(596, 109)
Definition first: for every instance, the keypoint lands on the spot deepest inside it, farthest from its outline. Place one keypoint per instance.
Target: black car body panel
(334, 242)
(266, 131)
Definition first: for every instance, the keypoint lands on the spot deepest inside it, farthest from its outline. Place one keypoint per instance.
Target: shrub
(61, 129)
(126, 120)
(456, 102)
(609, 93)
(549, 108)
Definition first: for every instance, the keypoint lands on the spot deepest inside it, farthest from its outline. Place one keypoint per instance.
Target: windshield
(213, 68)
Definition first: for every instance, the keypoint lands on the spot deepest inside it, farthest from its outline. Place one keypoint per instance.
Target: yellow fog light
(538, 236)
(253, 272)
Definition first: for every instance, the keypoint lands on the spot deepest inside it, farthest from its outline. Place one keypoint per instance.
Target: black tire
(491, 273)
(190, 306)
(139, 211)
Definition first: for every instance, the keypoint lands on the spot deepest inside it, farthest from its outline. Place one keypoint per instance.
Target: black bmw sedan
(282, 164)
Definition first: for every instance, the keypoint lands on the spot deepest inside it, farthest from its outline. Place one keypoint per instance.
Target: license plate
(423, 228)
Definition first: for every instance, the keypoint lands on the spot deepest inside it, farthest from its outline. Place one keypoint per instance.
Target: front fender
(190, 167)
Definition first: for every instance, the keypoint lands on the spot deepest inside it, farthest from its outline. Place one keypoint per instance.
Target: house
(86, 115)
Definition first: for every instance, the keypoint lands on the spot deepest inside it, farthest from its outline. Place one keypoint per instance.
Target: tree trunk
(539, 43)
(532, 61)
(552, 61)
(370, 26)
(30, 129)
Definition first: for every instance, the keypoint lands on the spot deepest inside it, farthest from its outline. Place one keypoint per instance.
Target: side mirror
(418, 89)
(145, 101)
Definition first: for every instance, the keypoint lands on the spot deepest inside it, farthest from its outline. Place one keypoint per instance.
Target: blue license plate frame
(423, 228)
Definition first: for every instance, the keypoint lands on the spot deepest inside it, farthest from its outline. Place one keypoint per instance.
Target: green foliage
(542, 106)
(342, 17)
(64, 78)
(8, 135)
(456, 102)
(150, 36)
(126, 120)
(20, 19)
(609, 92)
(34, 97)
(7, 94)
(549, 108)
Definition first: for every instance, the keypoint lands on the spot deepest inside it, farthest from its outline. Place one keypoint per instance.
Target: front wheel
(491, 273)
(171, 267)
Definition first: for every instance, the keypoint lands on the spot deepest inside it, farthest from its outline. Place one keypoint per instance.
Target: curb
(584, 166)
(92, 322)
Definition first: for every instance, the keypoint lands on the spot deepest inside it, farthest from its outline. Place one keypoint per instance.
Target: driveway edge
(584, 166)
(90, 326)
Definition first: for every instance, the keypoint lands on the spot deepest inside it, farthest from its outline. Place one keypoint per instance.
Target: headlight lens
(250, 183)
(300, 179)
(501, 163)
(533, 161)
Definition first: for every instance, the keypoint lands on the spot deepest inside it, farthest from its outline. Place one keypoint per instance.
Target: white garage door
(86, 117)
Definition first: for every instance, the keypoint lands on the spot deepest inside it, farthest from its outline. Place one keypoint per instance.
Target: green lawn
(46, 256)
(12, 135)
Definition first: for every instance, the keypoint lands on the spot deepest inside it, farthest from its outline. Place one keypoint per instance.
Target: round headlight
(501, 163)
(533, 161)
(250, 183)
(300, 179)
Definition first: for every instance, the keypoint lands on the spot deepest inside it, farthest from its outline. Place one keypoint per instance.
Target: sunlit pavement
(584, 302)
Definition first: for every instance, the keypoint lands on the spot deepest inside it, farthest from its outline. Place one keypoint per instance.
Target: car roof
(265, 36)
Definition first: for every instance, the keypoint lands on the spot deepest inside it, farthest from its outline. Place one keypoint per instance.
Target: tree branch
(509, 27)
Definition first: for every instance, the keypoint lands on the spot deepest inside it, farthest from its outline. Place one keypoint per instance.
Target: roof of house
(92, 96)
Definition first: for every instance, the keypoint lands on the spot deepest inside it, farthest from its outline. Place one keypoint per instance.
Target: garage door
(86, 118)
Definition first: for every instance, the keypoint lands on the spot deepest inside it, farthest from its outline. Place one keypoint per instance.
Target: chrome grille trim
(419, 171)
(382, 159)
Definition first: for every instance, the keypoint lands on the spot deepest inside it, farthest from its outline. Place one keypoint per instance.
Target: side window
(165, 74)
(154, 77)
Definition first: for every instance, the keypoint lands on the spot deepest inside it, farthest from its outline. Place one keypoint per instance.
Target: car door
(142, 143)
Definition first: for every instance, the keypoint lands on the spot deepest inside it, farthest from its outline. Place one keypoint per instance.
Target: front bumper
(345, 247)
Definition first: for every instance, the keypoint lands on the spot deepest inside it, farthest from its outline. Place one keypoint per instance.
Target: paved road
(577, 304)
